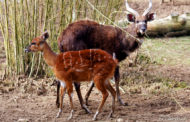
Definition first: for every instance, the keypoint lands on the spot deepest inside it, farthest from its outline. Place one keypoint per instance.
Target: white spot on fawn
(91, 56)
(80, 57)
(106, 82)
(99, 58)
(64, 58)
(89, 68)
(79, 70)
(70, 59)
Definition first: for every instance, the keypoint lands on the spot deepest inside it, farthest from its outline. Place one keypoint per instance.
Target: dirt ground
(17, 106)
(28, 100)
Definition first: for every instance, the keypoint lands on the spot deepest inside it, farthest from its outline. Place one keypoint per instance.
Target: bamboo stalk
(23, 20)
(34, 34)
(15, 38)
(22, 25)
(6, 39)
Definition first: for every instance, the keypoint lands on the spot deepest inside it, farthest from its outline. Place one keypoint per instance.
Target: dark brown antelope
(78, 66)
(86, 34)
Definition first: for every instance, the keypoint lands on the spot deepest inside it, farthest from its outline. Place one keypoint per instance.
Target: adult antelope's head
(140, 20)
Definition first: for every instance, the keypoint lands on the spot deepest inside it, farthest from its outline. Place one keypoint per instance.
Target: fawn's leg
(100, 86)
(89, 92)
(62, 94)
(117, 79)
(77, 87)
(113, 94)
(70, 93)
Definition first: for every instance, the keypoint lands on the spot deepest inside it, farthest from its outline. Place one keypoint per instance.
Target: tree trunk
(173, 25)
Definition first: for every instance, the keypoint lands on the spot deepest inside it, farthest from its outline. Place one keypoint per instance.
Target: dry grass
(162, 66)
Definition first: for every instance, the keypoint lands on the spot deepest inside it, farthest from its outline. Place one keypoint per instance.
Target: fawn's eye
(33, 43)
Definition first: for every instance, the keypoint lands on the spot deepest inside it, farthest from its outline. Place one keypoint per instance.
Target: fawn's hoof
(95, 116)
(58, 114)
(71, 115)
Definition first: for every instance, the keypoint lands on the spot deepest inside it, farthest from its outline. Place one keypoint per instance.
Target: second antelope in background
(78, 66)
(86, 34)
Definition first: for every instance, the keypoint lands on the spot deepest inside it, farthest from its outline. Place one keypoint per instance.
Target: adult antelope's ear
(151, 16)
(45, 35)
(130, 17)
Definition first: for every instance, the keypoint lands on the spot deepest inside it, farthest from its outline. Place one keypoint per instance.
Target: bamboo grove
(21, 20)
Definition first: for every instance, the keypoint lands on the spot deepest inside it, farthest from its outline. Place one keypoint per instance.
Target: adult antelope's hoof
(122, 103)
(86, 101)
(57, 104)
(86, 109)
(110, 115)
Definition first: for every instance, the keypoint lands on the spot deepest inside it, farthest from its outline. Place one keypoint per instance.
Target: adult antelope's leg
(58, 88)
(113, 94)
(89, 92)
(101, 87)
(77, 87)
(117, 79)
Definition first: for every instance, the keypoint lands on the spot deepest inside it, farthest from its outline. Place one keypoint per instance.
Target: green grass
(169, 51)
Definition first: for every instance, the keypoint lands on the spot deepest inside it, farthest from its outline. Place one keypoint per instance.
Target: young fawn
(78, 66)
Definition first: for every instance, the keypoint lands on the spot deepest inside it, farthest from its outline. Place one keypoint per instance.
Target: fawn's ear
(130, 17)
(45, 35)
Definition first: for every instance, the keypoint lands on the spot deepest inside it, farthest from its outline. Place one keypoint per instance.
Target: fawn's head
(140, 20)
(37, 43)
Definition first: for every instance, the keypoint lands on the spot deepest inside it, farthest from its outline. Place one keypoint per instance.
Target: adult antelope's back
(86, 34)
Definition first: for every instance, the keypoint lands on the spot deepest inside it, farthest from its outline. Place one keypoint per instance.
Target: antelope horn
(130, 9)
(148, 9)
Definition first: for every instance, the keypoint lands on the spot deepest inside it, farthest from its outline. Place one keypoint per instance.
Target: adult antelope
(78, 66)
(86, 34)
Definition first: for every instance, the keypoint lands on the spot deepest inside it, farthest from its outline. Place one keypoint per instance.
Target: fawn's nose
(27, 49)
